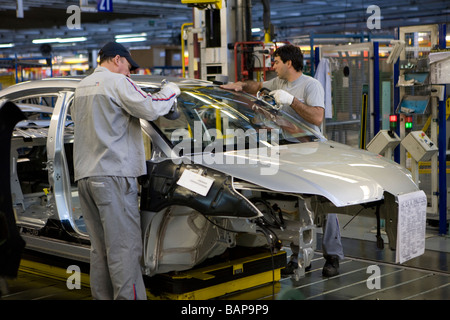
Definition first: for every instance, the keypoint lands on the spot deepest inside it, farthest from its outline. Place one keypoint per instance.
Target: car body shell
(324, 176)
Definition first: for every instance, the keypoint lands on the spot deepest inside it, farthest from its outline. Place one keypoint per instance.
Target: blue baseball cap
(111, 49)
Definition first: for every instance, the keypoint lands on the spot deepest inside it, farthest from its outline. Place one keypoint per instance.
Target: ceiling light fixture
(131, 35)
(76, 39)
(59, 40)
(135, 39)
(7, 45)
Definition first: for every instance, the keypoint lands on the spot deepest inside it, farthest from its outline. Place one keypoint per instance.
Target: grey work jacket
(106, 111)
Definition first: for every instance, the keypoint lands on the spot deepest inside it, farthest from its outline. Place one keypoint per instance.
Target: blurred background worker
(302, 97)
(108, 157)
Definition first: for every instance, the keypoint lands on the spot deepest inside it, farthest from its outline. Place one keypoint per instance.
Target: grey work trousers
(111, 213)
(331, 241)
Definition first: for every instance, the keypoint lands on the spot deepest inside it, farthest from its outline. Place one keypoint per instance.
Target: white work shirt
(108, 138)
(305, 88)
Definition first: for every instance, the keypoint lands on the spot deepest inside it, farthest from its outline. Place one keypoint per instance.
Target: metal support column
(442, 166)
(442, 36)
(316, 60)
(376, 88)
(313, 63)
(396, 98)
(442, 146)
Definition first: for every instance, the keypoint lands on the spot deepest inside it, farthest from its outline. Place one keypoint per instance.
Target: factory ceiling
(160, 21)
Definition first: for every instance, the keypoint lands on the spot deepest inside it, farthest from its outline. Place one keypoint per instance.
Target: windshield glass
(213, 119)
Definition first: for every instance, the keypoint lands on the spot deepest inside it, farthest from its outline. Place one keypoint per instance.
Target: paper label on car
(412, 215)
(195, 182)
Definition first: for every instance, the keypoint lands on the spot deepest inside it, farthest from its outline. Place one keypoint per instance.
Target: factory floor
(426, 277)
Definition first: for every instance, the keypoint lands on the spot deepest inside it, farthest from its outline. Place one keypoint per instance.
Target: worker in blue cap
(108, 157)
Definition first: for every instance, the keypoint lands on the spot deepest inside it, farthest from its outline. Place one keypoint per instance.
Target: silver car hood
(342, 174)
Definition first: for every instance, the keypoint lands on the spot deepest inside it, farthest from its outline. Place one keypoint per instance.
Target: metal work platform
(42, 277)
(356, 282)
(425, 278)
(241, 269)
(41, 285)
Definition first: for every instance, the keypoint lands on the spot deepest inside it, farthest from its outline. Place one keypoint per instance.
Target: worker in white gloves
(303, 97)
(299, 94)
(108, 157)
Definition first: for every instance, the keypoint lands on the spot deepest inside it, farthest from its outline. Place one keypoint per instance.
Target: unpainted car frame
(242, 206)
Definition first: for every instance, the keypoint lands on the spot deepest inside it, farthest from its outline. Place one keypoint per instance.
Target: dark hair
(104, 59)
(290, 52)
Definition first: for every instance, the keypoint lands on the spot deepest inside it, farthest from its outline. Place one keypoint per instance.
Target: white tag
(412, 215)
(195, 182)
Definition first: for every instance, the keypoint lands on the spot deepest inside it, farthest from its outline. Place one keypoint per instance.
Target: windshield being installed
(216, 120)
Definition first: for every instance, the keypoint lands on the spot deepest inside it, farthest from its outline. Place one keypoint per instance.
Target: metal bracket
(305, 255)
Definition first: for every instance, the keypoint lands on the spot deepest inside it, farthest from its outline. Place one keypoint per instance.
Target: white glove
(170, 88)
(282, 97)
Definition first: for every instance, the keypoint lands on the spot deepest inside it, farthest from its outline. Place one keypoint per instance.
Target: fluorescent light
(131, 35)
(7, 45)
(256, 30)
(59, 40)
(76, 39)
(136, 39)
(38, 41)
